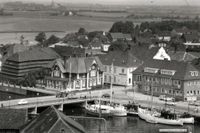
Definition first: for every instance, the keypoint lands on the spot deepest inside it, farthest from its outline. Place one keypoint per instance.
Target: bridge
(34, 103)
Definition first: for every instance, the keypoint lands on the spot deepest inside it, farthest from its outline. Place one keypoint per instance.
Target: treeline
(169, 25)
(155, 27)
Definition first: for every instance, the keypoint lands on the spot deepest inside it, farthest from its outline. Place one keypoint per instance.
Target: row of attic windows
(162, 71)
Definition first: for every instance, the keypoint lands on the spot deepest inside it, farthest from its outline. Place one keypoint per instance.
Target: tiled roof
(34, 54)
(191, 37)
(120, 58)
(183, 56)
(182, 68)
(12, 118)
(144, 53)
(117, 35)
(81, 64)
(48, 119)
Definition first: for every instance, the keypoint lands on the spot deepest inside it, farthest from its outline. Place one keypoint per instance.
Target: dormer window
(167, 72)
(194, 73)
(150, 70)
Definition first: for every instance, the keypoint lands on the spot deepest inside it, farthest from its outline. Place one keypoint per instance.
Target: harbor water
(129, 124)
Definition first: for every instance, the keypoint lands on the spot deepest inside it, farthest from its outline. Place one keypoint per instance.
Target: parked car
(106, 95)
(165, 98)
(170, 103)
(23, 101)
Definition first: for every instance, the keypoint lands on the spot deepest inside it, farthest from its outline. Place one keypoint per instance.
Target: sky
(124, 2)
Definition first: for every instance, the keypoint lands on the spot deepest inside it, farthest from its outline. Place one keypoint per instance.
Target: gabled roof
(191, 37)
(121, 59)
(182, 69)
(34, 55)
(82, 64)
(48, 119)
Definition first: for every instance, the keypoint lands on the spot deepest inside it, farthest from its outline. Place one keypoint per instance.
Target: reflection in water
(121, 124)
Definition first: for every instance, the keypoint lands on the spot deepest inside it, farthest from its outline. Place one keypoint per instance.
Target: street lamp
(9, 97)
(37, 98)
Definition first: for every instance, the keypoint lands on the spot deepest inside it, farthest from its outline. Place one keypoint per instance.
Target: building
(183, 55)
(52, 121)
(105, 47)
(161, 55)
(164, 36)
(119, 66)
(21, 63)
(120, 36)
(173, 78)
(11, 120)
(76, 73)
(12, 49)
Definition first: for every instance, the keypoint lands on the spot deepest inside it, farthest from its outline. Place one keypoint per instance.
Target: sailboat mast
(111, 92)
(70, 73)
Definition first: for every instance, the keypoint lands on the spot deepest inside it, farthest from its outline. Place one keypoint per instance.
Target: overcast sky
(124, 2)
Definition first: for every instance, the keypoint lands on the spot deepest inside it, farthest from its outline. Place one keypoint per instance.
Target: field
(104, 14)
(11, 27)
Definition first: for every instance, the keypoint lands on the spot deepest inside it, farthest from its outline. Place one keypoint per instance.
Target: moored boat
(189, 120)
(98, 110)
(150, 117)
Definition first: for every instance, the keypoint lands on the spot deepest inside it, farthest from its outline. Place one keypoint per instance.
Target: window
(105, 78)
(62, 131)
(167, 72)
(122, 70)
(139, 78)
(114, 79)
(198, 91)
(115, 69)
(129, 80)
(150, 70)
(194, 73)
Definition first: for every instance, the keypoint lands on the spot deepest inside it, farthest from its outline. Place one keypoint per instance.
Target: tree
(52, 40)
(123, 27)
(82, 31)
(41, 38)
(119, 45)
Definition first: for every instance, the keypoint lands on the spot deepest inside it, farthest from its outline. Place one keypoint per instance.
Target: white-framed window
(122, 70)
(194, 73)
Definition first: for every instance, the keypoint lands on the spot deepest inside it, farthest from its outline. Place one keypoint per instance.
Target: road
(121, 95)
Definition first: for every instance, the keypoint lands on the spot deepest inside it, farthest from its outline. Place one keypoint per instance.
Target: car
(106, 95)
(23, 101)
(170, 103)
(165, 98)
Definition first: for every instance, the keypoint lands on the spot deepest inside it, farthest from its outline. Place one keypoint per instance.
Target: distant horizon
(116, 2)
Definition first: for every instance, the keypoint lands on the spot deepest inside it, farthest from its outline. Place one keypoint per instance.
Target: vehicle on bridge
(22, 101)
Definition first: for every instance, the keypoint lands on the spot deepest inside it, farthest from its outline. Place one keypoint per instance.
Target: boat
(189, 120)
(98, 110)
(154, 118)
(107, 108)
(186, 118)
(132, 109)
